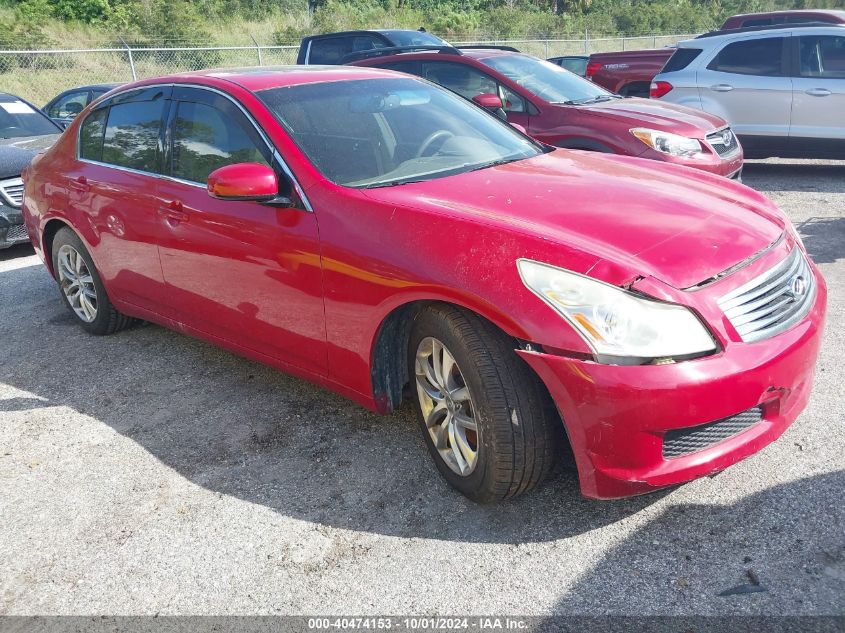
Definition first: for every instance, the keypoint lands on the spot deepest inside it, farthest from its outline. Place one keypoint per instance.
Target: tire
(517, 435)
(104, 319)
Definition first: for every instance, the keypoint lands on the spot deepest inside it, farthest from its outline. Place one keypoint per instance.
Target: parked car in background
(772, 18)
(512, 287)
(332, 48)
(24, 132)
(628, 73)
(573, 63)
(782, 89)
(561, 109)
(65, 106)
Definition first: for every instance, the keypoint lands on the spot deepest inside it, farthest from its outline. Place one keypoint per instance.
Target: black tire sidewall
(477, 484)
(101, 322)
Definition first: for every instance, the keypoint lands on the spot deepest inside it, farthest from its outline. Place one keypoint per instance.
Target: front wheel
(488, 422)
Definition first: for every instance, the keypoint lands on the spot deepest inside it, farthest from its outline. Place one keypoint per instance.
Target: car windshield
(546, 80)
(18, 119)
(413, 38)
(381, 132)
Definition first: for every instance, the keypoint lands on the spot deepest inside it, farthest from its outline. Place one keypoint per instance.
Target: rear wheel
(488, 422)
(81, 288)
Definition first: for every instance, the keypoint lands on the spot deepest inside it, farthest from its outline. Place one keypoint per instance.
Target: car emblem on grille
(797, 287)
(727, 137)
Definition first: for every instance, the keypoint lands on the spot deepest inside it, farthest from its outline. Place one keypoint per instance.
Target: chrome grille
(772, 302)
(724, 142)
(12, 191)
(17, 233)
(680, 442)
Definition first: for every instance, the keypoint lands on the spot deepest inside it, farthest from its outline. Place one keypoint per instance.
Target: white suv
(782, 89)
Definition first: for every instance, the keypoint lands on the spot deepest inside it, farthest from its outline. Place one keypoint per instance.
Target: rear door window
(761, 57)
(91, 135)
(132, 135)
(332, 50)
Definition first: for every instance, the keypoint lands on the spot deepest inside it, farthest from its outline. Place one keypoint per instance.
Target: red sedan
(370, 231)
(564, 110)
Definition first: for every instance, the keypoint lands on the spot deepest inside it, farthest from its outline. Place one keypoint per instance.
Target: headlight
(668, 143)
(615, 322)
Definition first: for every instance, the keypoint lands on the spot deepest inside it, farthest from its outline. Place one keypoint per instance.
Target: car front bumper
(617, 417)
(729, 166)
(12, 229)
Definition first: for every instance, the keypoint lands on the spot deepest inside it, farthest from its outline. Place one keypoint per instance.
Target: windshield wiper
(596, 99)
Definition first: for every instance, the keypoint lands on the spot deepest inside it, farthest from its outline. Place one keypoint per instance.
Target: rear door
(747, 83)
(241, 271)
(818, 105)
(112, 191)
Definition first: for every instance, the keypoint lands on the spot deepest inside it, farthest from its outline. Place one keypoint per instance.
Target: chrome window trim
(273, 150)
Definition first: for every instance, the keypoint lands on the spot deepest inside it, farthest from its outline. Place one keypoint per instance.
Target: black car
(331, 48)
(64, 107)
(24, 132)
(573, 63)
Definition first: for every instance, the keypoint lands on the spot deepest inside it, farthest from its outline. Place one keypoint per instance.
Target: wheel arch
(48, 234)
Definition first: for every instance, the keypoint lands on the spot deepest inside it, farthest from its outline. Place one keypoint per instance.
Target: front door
(241, 271)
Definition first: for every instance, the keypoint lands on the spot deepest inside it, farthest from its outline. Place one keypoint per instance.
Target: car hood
(676, 224)
(659, 115)
(16, 153)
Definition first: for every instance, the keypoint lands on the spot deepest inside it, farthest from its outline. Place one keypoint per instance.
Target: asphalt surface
(148, 473)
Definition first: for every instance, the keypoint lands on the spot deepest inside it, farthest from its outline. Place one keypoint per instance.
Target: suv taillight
(592, 69)
(659, 88)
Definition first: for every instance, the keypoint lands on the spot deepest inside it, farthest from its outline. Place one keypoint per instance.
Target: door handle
(721, 88)
(80, 184)
(818, 92)
(173, 213)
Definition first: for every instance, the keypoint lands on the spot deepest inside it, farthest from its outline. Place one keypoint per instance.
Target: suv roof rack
(446, 50)
(390, 50)
(767, 27)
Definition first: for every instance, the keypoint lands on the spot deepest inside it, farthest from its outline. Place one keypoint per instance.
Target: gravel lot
(147, 473)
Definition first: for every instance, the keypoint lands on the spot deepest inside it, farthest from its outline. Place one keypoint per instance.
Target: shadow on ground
(767, 176)
(824, 238)
(15, 252)
(777, 538)
(242, 429)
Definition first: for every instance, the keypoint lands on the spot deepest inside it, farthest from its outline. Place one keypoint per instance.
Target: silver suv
(782, 89)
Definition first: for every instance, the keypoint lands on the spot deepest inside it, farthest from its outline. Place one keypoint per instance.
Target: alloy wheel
(447, 406)
(77, 283)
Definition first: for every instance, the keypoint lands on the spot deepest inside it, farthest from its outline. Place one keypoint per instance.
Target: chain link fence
(39, 75)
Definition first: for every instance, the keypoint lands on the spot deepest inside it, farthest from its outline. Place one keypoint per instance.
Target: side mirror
(517, 126)
(488, 101)
(246, 182)
(492, 103)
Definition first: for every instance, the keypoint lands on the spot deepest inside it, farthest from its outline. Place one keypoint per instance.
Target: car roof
(789, 12)
(256, 78)
(715, 37)
(471, 53)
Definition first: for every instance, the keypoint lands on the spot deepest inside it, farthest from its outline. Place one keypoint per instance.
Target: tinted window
(69, 105)
(465, 80)
(411, 68)
(577, 65)
(19, 119)
(91, 135)
(757, 22)
(762, 57)
(822, 56)
(377, 132)
(680, 59)
(205, 138)
(132, 135)
(332, 50)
